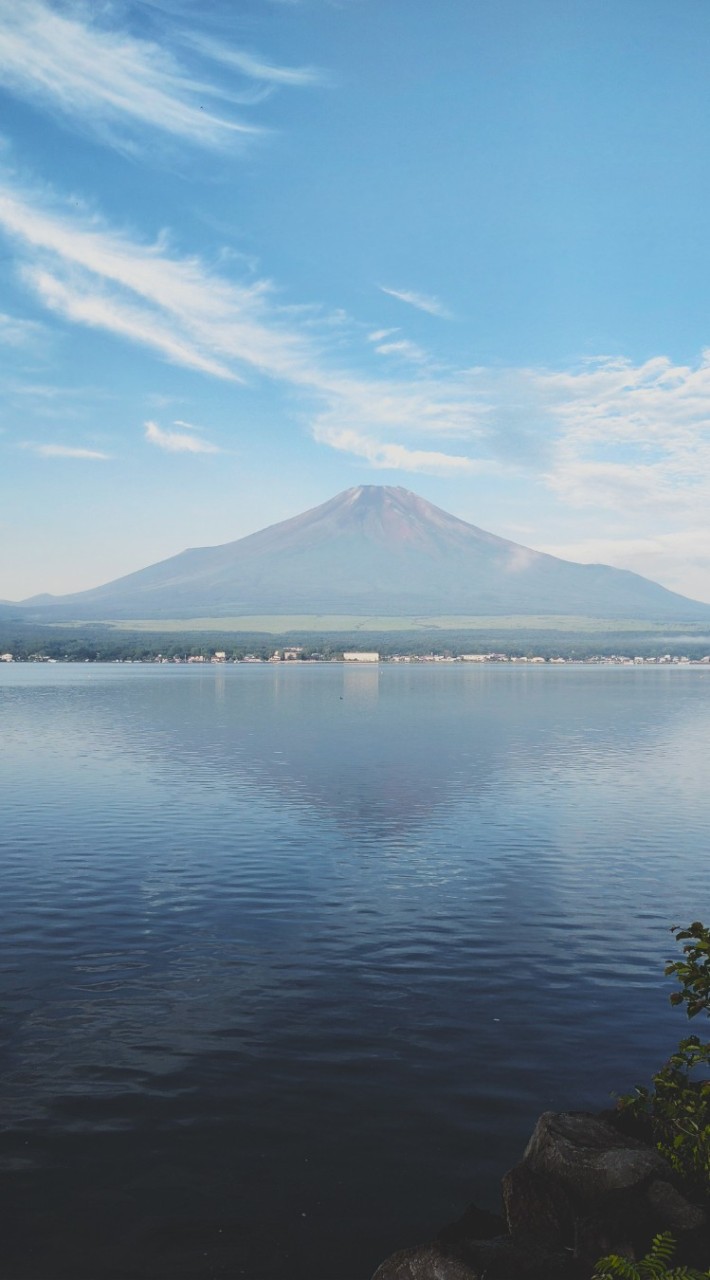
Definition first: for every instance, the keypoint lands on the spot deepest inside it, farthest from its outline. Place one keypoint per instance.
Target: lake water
(292, 957)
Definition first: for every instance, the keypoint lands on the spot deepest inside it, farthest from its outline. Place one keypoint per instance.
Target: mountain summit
(374, 550)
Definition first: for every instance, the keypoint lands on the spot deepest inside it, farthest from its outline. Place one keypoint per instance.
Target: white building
(361, 657)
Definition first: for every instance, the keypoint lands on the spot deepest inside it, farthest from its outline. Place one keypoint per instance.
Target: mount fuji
(371, 550)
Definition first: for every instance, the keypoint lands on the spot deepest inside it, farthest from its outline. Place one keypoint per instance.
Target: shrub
(678, 1103)
(655, 1266)
(693, 971)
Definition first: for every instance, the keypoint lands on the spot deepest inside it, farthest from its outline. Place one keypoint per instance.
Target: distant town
(368, 658)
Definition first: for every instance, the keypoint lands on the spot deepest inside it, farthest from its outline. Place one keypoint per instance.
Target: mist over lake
(293, 956)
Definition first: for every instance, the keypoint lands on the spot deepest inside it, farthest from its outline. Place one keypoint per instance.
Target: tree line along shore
(355, 658)
(22, 641)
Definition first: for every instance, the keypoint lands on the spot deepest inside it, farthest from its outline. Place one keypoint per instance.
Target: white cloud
(177, 441)
(197, 317)
(422, 301)
(680, 559)
(18, 333)
(606, 436)
(397, 457)
(614, 485)
(66, 451)
(99, 311)
(99, 277)
(258, 68)
(404, 349)
(630, 437)
(80, 304)
(105, 79)
(421, 406)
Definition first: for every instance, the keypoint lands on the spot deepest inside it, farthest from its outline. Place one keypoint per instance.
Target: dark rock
(672, 1210)
(585, 1188)
(537, 1208)
(622, 1223)
(630, 1123)
(503, 1258)
(495, 1259)
(424, 1263)
(588, 1156)
(474, 1224)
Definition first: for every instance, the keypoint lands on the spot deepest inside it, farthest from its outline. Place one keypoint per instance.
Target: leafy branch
(678, 1104)
(655, 1266)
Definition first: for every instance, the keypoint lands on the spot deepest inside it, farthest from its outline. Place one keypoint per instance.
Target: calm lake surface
(292, 957)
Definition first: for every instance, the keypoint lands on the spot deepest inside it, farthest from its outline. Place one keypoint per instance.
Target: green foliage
(123, 640)
(693, 971)
(679, 1110)
(655, 1266)
(678, 1104)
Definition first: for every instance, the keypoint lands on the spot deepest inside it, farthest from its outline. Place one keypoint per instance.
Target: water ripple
(305, 942)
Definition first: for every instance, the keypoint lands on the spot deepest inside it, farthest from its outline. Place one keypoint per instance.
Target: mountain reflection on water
(380, 747)
(292, 956)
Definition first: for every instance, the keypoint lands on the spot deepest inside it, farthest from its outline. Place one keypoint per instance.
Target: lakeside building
(296, 653)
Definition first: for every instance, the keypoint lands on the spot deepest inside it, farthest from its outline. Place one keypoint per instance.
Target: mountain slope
(373, 550)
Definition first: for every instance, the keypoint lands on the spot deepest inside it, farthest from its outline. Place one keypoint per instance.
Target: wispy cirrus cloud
(606, 433)
(421, 301)
(404, 349)
(83, 304)
(256, 67)
(177, 441)
(67, 451)
(15, 332)
(103, 79)
(378, 335)
(397, 457)
(90, 274)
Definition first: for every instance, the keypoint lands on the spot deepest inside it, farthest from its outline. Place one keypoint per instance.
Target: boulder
(584, 1188)
(495, 1259)
(474, 1224)
(424, 1263)
(584, 1183)
(537, 1208)
(672, 1210)
(588, 1156)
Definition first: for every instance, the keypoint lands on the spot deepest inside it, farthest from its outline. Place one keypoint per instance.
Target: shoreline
(587, 1185)
(413, 659)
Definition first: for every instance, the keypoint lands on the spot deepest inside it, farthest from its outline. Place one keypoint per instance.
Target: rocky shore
(585, 1187)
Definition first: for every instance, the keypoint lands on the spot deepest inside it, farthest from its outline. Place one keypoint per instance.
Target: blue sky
(254, 253)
